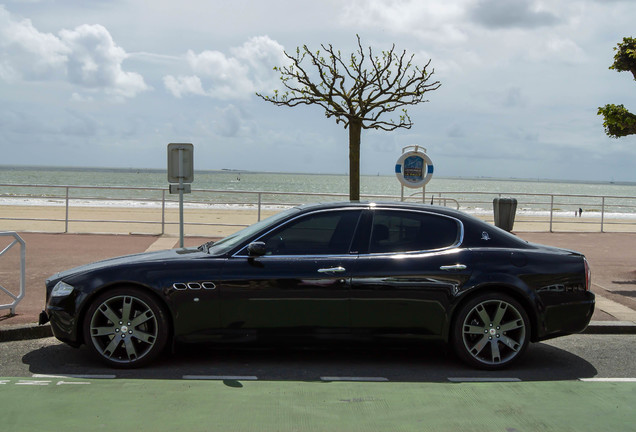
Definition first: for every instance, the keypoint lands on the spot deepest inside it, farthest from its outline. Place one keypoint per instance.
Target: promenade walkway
(611, 257)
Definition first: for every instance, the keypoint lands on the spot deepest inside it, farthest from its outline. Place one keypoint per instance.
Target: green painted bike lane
(73, 404)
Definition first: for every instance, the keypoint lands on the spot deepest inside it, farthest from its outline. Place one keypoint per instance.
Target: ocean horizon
(234, 171)
(232, 188)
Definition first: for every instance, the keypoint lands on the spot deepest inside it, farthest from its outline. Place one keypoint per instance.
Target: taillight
(588, 275)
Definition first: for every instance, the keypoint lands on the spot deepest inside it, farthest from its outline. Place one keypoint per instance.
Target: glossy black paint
(239, 293)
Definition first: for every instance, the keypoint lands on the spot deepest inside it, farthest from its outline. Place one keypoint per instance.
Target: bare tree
(359, 90)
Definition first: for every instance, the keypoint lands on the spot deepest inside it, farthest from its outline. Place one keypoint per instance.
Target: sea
(131, 187)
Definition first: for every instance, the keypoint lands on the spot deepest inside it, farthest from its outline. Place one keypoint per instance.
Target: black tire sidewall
(457, 331)
(157, 309)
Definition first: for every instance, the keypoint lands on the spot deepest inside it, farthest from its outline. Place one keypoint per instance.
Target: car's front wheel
(491, 331)
(125, 328)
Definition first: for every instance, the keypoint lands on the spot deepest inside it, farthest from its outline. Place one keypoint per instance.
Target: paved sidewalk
(611, 257)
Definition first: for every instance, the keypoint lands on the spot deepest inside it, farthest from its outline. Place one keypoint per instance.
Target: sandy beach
(126, 220)
(219, 222)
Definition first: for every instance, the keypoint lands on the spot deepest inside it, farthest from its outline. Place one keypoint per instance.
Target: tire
(125, 328)
(491, 331)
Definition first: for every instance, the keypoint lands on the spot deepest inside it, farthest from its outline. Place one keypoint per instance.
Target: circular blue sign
(414, 169)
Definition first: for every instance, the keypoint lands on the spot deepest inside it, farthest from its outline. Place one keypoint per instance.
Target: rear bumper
(567, 318)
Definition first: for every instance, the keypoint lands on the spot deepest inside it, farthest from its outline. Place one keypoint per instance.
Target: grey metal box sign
(174, 188)
(183, 170)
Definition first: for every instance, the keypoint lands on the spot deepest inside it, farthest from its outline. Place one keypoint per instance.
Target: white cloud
(181, 85)
(434, 20)
(27, 52)
(237, 76)
(520, 82)
(511, 14)
(94, 61)
(86, 56)
(261, 54)
(76, 97)
(227, 121)
(566, 50)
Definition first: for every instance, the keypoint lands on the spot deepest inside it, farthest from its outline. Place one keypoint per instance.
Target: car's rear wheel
(126, 328)
(491, 331)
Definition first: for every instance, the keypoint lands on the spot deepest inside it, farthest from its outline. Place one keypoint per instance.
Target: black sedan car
(331, 271)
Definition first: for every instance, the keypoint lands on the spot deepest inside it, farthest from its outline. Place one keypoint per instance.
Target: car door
(405, 279)
(300, 284)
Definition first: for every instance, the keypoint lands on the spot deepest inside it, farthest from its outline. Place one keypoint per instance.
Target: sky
(109, 83)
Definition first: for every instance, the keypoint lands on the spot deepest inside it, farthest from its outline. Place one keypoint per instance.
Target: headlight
(61, 289)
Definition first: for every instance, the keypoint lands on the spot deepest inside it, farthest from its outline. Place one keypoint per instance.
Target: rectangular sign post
(180, 170)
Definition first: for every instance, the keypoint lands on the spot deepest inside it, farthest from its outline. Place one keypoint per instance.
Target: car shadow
(431, 362)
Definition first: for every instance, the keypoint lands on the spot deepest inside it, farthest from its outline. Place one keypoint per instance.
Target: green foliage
(618, 121)
(625, 57)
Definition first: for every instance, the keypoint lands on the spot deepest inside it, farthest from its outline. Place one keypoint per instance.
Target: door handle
(338, 269)
(454, 267)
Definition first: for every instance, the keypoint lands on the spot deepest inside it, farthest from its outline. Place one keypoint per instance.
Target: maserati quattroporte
(331, 271)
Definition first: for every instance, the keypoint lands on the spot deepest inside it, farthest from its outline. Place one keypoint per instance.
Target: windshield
(230, 242)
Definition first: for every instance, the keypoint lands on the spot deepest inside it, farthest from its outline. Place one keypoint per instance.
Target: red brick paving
(612, 257)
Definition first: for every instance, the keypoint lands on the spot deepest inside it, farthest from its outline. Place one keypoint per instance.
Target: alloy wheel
(123, 329)
(493, 332)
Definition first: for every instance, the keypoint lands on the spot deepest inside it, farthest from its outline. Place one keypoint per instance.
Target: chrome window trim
(302, 256)
(244, 248)
(373, 208)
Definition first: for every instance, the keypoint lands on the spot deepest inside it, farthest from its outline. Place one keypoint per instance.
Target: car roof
(473, 226)
(385, 204)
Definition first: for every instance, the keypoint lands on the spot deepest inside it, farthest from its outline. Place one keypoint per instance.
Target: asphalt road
(566, 358)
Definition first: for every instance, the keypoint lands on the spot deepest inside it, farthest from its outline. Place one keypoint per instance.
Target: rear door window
(407, 231)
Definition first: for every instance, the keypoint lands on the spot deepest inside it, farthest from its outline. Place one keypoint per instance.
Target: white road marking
(220, 377)
(80, 376)
(33, 382)
(362, 379)
(72, 382)
(482, 379)
(608, 379)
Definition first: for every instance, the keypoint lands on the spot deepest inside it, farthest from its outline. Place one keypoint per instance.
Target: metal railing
(16, 297)
(550, 211)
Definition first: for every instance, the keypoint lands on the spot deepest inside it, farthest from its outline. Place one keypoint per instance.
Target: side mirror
(256, 249)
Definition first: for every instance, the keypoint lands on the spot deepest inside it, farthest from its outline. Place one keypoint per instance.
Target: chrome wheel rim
(494, 332)
(123, 329)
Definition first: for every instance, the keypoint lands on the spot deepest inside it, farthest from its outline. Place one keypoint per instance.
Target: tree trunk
(355, 128)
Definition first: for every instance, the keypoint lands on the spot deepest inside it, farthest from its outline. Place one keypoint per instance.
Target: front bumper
(43, 319)
(61, 313)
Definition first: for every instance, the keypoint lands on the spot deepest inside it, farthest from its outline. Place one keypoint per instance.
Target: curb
(611, 327)
(24, 331)
(34, 331)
